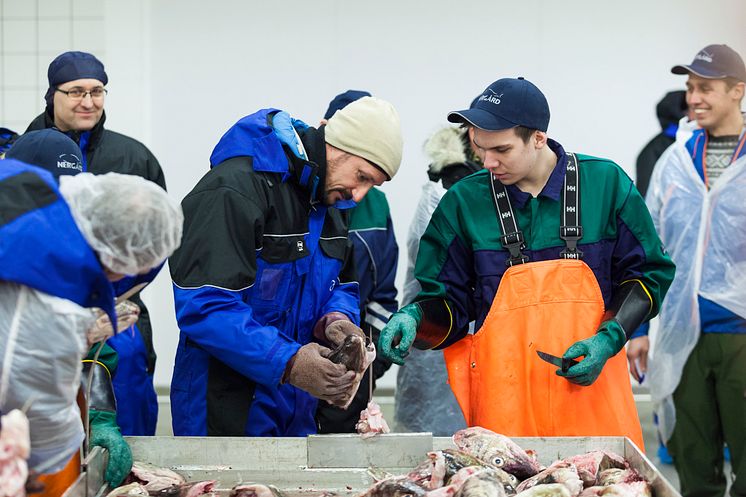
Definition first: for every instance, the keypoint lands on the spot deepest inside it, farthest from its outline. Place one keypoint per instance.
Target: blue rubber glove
(605, 344)
(399, 333)
(105, 433)
(285, 129)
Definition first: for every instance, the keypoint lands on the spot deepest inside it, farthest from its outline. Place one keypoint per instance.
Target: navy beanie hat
(343, 100)
(70, 66)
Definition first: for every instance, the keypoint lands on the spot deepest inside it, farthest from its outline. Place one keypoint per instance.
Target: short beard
(333, 165)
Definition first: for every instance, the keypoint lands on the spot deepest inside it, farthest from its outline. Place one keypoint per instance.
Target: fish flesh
(15, 447)
(485, 483)
(153, 478)
(497, 450)
(194, 489)
(397, 486)
(456, 460)
(131, 490)
(371, 421)
(456, 482)
(559, 472)
(615, 475)
(590, 464)
(255, 490)
(546, 490)
(633, 489)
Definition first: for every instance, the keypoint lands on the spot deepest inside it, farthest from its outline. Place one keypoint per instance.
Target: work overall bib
(497, 377)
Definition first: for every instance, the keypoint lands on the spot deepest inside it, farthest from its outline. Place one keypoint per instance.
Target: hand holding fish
(311, 370)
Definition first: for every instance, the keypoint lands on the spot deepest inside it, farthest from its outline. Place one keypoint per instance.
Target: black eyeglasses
(80, 93)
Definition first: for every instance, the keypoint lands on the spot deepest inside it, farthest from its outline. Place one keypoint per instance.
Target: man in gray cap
(75, 105)
(697, 375)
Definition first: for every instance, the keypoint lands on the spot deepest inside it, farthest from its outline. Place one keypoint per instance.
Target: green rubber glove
(105, 433)
(605, 344)
(399, 334)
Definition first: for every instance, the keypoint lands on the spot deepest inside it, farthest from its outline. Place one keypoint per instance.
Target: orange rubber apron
(500, 382)
(57, 483)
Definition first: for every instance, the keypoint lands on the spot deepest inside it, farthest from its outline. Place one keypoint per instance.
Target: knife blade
(560, 362)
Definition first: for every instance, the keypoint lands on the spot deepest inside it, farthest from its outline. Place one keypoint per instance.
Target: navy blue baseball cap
(715, 62)
(343, 100)
(70, 66)
(505, 104)
(49, 149)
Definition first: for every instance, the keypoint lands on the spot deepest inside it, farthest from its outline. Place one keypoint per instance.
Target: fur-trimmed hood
(445, 147)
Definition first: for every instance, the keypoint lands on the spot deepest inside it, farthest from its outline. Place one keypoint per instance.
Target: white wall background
(181, 72)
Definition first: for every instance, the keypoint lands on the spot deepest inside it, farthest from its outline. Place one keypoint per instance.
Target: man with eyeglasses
(75, 105)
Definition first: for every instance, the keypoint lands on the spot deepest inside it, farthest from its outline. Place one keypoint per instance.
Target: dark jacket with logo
(261, 260)
(106, 151)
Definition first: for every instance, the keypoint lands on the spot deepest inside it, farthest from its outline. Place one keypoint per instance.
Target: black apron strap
(570, 230)
(512, 238)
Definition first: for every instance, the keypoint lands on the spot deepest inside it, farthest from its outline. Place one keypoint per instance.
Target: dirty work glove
(284, 127)
(605, 344)
(310, 370)
(338, 331)
(399, 333)
(105, 433)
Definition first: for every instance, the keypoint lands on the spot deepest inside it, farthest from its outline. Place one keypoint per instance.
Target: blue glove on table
(605, 344)
(399, 333)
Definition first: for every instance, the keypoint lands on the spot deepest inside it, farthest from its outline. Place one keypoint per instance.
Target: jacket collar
(555, 183)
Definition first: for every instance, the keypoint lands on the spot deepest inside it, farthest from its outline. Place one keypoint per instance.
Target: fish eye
(513, 478)
(498, 461)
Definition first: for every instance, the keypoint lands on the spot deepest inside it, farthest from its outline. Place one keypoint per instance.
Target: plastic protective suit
(424, 401)
(46, 378)
(705, 236)
(51, 277)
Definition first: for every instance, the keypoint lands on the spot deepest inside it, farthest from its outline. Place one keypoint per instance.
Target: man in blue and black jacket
(264, 280)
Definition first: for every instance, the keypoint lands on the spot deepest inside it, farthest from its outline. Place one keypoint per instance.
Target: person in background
(63, 249)
(376, 255)
(7, 137)
(697, 374)
(424, 401)
(669, 110)
(75, 101)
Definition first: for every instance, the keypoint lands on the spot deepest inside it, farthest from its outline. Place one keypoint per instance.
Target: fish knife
(560, 362)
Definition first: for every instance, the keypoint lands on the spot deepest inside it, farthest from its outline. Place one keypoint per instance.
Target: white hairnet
(130, 222)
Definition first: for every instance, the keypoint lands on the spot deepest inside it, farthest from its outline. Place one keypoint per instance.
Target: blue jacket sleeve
(219, 321)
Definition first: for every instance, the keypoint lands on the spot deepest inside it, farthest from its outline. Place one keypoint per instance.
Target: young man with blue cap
(697, 375)
(75, 102)
(555, 257)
